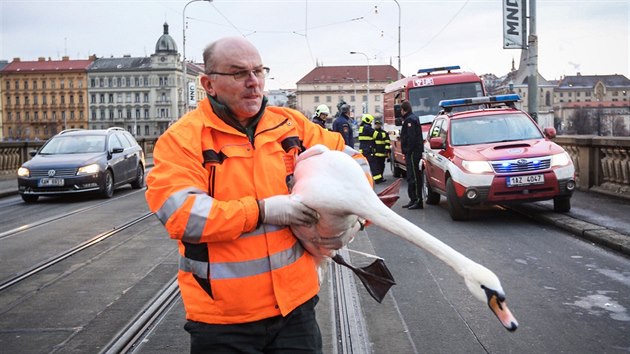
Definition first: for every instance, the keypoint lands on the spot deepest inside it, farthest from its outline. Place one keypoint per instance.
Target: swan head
(485, 286)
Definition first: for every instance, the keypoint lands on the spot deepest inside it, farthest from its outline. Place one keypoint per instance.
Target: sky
(293, 36)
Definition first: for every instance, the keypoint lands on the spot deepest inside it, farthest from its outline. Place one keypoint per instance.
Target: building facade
(331, 85)
(143, 95)
(43, 97)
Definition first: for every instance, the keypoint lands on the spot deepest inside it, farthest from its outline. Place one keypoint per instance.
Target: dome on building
(166, 43)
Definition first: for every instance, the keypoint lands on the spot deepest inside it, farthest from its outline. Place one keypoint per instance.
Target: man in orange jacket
(220, 186)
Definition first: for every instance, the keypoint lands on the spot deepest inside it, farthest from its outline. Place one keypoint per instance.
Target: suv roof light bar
(441, 68)
(473, 101)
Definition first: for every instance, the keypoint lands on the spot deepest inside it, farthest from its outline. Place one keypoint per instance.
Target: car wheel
(29, 198)
(139, 181)
(429, 196)
(455, 207)
(561, 204)
(108, 186)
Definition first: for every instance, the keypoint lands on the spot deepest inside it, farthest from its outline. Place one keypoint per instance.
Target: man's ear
(206, 83)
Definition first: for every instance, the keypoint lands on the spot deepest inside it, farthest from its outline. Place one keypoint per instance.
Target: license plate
(525, 180)
(51, 182)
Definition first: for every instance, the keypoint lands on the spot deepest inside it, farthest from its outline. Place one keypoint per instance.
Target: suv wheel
(139, 181)
(428, 194)
(561, 204)
(108, 186)
(29, 198)
(455, 207)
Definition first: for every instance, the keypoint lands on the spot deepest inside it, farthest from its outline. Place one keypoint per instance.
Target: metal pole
(367, 102)
(184, 53)
(398, 75)
(532, 81)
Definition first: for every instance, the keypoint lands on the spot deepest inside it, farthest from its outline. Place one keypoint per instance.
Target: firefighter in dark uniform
(367, 146)
(382, 151)
(412, 146)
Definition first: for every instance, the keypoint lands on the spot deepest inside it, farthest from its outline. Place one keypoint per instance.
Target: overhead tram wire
(440, 31)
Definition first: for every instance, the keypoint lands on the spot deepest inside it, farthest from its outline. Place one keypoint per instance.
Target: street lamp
(398, 75)
(367, 103)
(354, 84)
(184, 53)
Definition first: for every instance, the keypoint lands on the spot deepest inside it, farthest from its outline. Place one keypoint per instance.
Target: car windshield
(492, 129)
(74, 145)
(425, 99)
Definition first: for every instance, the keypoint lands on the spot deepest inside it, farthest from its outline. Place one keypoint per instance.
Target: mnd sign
(513, 24)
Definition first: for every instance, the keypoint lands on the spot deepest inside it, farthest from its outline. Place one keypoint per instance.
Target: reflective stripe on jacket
(204, 186)
(382, 143)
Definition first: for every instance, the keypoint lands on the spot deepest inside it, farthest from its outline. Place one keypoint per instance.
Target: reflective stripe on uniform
(174, 202)
(232, 270)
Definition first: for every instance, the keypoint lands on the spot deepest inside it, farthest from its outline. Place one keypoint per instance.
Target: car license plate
(525, 180)
(50, 182)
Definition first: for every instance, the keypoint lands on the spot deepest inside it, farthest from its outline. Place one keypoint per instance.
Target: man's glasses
(260, 73)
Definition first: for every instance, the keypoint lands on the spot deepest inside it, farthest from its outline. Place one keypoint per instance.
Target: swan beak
(500, 309)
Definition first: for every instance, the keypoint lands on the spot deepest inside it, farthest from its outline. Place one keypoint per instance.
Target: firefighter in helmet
(321, 113)
(367, 145)
(381, 152)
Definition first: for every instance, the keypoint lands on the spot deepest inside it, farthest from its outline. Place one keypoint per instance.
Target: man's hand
(284, 210)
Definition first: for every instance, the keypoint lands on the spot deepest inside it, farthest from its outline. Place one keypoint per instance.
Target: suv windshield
(425, 100)
(76, 144)
(492, 129)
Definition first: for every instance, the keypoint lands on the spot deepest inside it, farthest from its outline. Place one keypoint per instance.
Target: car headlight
(477, 166)
(88, 170)
(23, 172)
(561, 159)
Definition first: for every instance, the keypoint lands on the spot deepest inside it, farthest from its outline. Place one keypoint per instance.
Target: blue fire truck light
(442, 68)
(479, 100)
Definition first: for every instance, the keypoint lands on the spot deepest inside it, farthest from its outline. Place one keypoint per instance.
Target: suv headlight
(561, 159)
(88, 170)
(477, 166)
(23, 172)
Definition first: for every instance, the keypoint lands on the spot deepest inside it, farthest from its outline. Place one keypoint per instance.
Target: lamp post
(184, 53)
(367, 102)
(398, 75)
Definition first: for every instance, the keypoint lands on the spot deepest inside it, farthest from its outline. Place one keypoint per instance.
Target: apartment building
(330, 85)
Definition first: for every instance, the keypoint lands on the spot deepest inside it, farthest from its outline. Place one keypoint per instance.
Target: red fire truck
(424, 91)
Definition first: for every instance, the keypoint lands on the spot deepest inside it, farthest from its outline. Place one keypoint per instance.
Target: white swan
(334, 185)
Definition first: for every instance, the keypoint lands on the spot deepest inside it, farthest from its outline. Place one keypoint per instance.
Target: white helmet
(322, 108)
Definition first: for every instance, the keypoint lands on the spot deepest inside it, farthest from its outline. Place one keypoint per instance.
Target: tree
(581, 122)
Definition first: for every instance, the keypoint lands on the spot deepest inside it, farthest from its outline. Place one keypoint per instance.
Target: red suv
(493, 155)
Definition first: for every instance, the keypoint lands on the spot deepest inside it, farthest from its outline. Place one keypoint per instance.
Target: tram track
(43, 222)
(70, 252)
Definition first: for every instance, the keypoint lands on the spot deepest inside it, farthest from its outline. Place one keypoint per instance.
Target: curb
(597, 234)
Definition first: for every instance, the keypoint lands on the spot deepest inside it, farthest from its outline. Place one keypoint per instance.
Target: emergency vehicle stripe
(197, 220)
(174, 202)
(232, 270)
(262, 229)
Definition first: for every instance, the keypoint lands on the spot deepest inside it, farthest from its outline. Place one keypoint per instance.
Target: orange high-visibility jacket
(204, 186)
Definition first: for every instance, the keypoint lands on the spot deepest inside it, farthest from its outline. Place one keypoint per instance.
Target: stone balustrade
(602, 164)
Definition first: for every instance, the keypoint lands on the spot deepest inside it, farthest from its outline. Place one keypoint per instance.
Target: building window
(102, 98)
(128, 82)
(146, 113)
(26, 84)
(128, 113)
(111, 114)
(93, 99)
(110, 98)
(137, 113)
(137, 82)
(146, 97)
(377, 98)
(120, 114)
(146, 130)
(128, 97)
(102, 114)
(316, 99)
(44, 84)
(137, 98)
(328, 99)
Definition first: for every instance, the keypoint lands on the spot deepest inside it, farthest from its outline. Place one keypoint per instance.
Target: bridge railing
(602, 163)
(14, 153)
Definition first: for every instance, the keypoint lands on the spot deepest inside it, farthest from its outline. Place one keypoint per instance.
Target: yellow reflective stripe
(234, 270)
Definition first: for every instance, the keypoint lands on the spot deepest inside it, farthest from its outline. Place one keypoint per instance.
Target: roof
(344, 74)
(47, 65)
(589, 81)
(124, 63)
